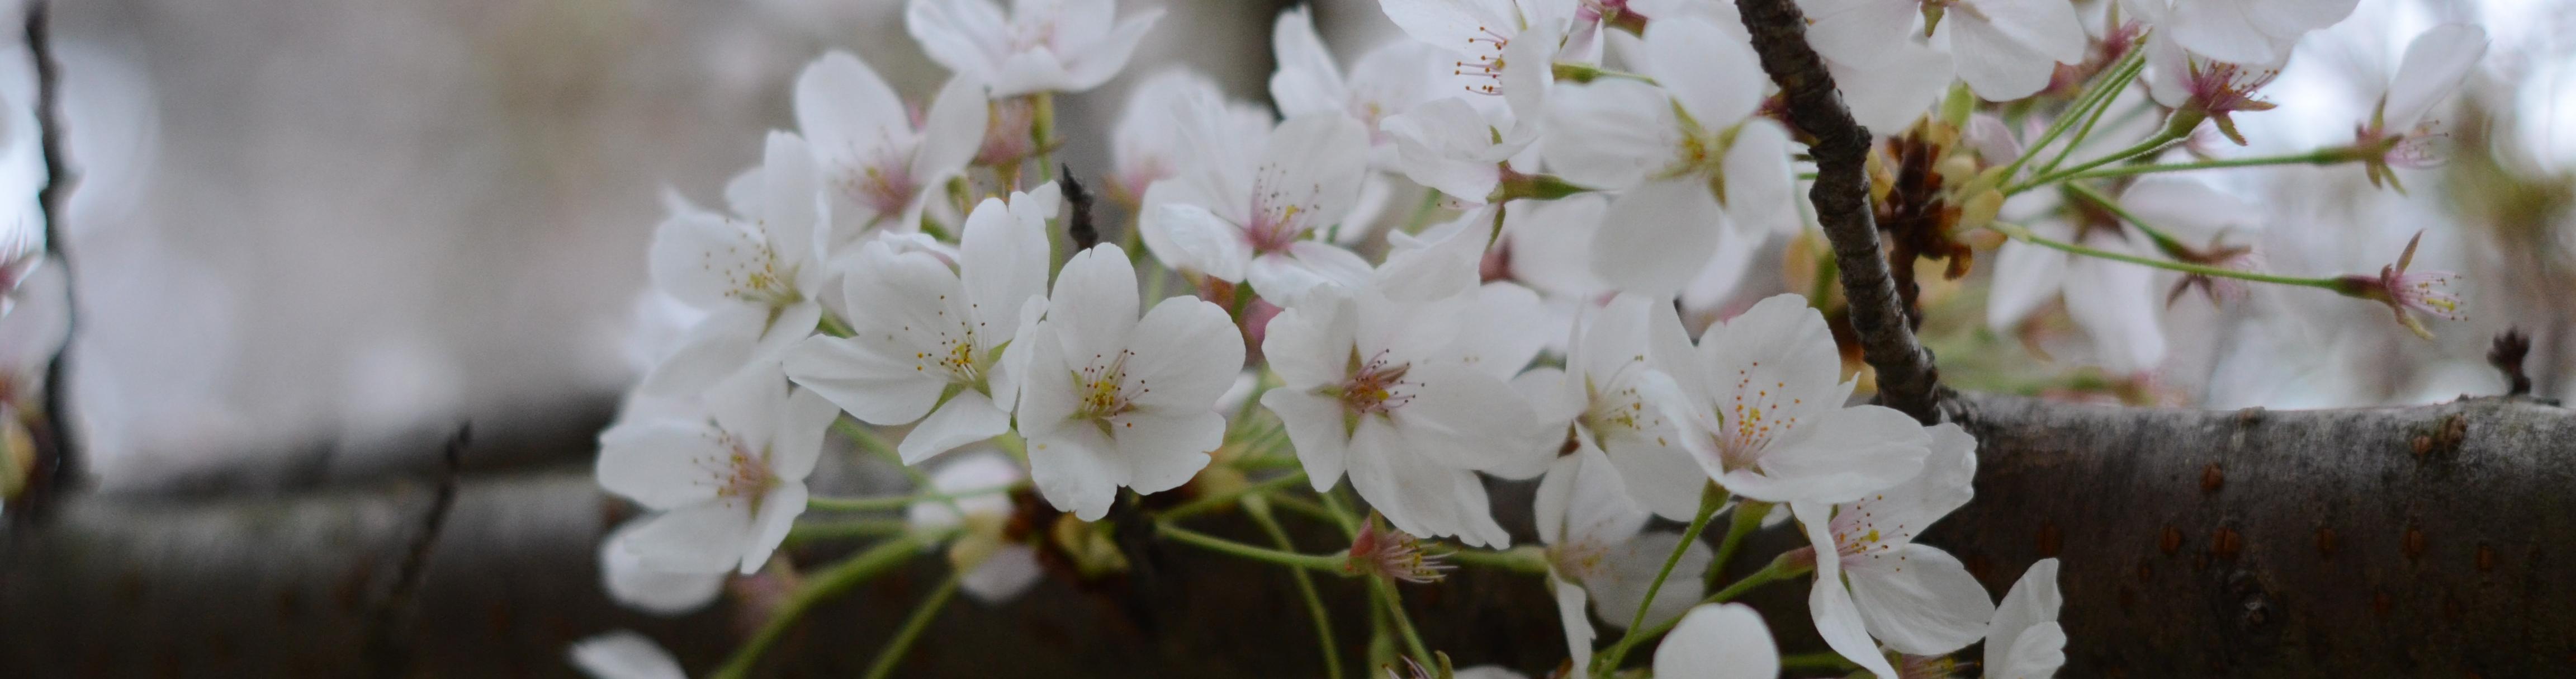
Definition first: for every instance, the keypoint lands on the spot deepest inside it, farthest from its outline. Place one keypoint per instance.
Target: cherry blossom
(1760, 406)
(2115, 303)
(1873, 581)
(2436, 64)
(2246, 31)
(756, 275)
(995, 568)
(1597, 549)
(2409, 292)
(1243, 218)
(1148, 144)
(1040, 46)
(1603, 392)
(1720, 641)
(624, 654)
(1690, 154)
(880, 168)
(926, 340)
(728, 482)
(2024, 641)
(2004, 49)
(1388, 79)
(1114, 400)
(645, 588)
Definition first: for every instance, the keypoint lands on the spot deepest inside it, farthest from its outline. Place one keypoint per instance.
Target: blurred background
(309, 236)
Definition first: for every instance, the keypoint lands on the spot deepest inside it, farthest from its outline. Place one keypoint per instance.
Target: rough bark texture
(2427, 541)
(1907, 380)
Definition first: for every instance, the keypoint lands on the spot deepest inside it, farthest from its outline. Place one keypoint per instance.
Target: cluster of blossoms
(1601, 175)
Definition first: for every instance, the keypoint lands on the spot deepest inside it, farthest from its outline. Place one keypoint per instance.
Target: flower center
(1487, 52)
(1375, 387)
(1101, 386)
(1752, 419)
(1580, 560)
(1858, 533)
(1619, 407)
(1280, 214)
(760, 279)
(739, 474)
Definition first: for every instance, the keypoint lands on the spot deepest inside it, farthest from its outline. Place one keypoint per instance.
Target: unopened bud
(1980, 209)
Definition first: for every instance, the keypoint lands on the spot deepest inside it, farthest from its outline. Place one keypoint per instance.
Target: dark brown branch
(2425, 541)
(1907, 379)
(59, 466)
(387, 646)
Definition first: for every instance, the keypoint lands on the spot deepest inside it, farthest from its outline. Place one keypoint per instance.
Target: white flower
(1481, 33)
(756, 275)
(1392, 383)
(728, 482)
(2004, 49)
(995, 569)
(2024, 641)
(1041, 46)
(1596, 549)
(928, 340)
(1702, 174)
(2114, 302)
(880, 169)
(644, 588)
(1603, 392)
(1112, 400)
(624, 654)
(2249, 31)
(1386, 80)
(1238, 218)
(1458, 143)
(1149, 145)
(1915, 598)
(2436, 64)
(1720, 641)
(1760, 406)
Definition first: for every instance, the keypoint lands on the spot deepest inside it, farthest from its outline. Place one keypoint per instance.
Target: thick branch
(58, 466)
(1907, 379)
(2194, 543)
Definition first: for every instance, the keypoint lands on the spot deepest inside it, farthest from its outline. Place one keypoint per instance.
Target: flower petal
(1720, 641)
(968, 417)
(1919, 600)
(1838, 619)
(1655, 237)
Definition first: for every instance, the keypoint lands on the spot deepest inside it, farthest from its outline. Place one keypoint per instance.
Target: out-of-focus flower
(1603, 393)
(1238, 218)
(1040, 46)
(1149, 143)
(928, 340)
(728, 482)
(624, 654)
(757, 275)
(2404, 291)
(1916, 598)
(2398, 133)
(2244, 31)
(1720, 641)
(879, 167)
(1386, 80)
(2004, 49)
(1114, 400)
(995, 567)
(645, 588)
(1760, 406)
(2114, 302)
(1702, 174)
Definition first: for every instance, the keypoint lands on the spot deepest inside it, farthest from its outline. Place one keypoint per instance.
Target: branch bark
(1907, 379)
(2396, 541)
(58, 465)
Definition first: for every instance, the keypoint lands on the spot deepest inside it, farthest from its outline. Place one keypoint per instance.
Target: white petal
(702, 259)
(624, 654)
(1467, 419)
(1712, 72)
(1838, 619)
(1286, 277)
(1576, 618)
(1445, 144)
(1993, 64)
(1919, 600)
(2031, 605)
(798, 441)
(1187, 351)
(1659, 473)
(1655, 237)
(1632, 564)
(2219, 29)
(1891, 94)
(1898, 513)
(1003, 575)
(1162, 450)
(963, 35)
(1075, 469)
(1003, 257)
(846, 110)
(1095, 304)
(1841, 456)
(2116, 304)
(1719, 641)
(968, 417)
(700, 538)
(1610, 134)
(979, 470)
(1857, 32)
(1314, 426)
(951, 132)
(1582, 499)
(1314, 163)
(1199, 240)
(720, 344)
(660, 464)
(778, 512)
(2026, 276)
(1761, 192)
(1307, 80)
(1088, 68)
(874, 387)
(1309, 344)
(2436, 64)
(654, 591)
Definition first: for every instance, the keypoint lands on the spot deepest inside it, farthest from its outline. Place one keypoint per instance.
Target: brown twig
(60, 464)
(387, 648)
(1907, 379)
(2507, 356)
(1077, 219)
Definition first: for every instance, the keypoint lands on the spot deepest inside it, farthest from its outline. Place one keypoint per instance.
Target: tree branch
(59, 466)
(1907, 380)
(2411, 541)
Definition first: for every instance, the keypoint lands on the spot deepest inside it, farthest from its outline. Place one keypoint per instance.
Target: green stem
(833, 326)
(2083, 103)
(1310, 509)
(842, 529)
(1211, 502)
(1332, 563)
(1042, 133)
(1258, 508)
(1828, 660)
(2024, 235)
(1341, 512)
(862, 504)
(1584, 73)
(2328, 156)
(1403, 621)
(824, 585)
(1748, 517)
(1711, 499)
(2165, 242)
(2119, 79)
(2150, 145)
(1778, 570)
(921, 617)
(1530, 560)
